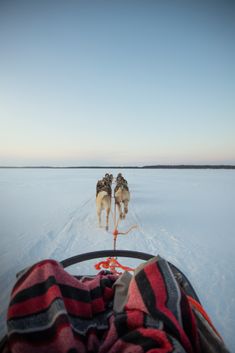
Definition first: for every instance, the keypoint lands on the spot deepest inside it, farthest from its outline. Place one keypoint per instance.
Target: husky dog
(103, 198)
(121, 195)
(109, 178)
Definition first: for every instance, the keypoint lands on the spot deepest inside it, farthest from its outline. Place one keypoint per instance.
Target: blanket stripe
(150, 300)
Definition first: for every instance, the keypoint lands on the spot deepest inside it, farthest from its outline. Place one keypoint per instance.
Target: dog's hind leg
(125, 206)
(99, 216)
(107, 218)
(119, 209)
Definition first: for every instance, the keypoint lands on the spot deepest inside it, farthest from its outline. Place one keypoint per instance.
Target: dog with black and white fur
(104, 198)
(122, 195)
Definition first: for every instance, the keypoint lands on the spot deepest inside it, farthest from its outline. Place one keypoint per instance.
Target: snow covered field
(186, 216)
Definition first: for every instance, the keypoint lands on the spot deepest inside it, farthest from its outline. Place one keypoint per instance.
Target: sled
(179, 275)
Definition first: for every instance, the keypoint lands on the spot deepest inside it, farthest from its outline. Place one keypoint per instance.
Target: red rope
(111, 263)
(200, 308)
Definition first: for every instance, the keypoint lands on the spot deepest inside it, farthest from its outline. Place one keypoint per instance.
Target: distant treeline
(157, 166)
(190, 166)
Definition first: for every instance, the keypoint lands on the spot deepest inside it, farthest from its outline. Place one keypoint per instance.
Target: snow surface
(186, 216)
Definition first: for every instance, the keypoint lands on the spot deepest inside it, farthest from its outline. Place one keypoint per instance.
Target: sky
(117, 82)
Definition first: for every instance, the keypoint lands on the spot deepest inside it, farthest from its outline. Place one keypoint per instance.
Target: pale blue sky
(117, 82)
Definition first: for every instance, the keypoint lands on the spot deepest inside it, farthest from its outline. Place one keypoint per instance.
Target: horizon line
(153, 166)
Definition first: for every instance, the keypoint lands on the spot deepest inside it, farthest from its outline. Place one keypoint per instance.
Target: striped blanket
(53, 311)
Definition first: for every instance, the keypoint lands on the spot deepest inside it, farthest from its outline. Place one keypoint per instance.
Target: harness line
(111, 263)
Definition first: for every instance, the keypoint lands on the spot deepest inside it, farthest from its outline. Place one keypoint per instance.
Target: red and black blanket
(53, 311)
